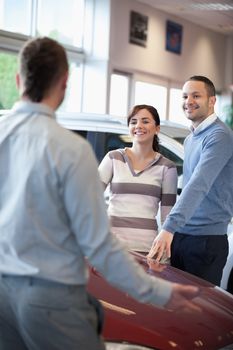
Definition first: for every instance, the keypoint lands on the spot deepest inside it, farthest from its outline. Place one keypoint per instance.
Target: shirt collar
(203, 125)
(28, 106)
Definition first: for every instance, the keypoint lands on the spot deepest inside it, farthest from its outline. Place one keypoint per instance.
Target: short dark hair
(153, 111)
(208, 83)
(42, 61)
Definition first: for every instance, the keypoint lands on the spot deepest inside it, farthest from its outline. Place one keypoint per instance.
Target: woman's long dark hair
(153, 111)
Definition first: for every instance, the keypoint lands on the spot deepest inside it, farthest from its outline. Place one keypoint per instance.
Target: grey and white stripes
(135, 197)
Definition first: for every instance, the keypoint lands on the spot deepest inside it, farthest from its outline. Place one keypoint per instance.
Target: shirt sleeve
(89, 223)
(214, 156)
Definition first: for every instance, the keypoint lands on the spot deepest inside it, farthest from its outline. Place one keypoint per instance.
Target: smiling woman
(141, 181)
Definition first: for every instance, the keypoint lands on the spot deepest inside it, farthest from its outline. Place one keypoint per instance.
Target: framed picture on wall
(138, 28)
(174, 33)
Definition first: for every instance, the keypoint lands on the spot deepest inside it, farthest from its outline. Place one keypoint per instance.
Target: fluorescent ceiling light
(213, 7)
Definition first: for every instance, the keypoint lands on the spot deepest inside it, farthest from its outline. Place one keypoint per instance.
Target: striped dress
(135, 197)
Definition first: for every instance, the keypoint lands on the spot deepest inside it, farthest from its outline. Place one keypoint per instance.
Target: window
(103, 142)
(119, 91)
(21, 20)
(176, 113)
(8, 90)
(72, 101)
(218, 106)
(9, 93)
(15, 16)
(173, 157)
(115, 141)
(152, 94)
(56, 19)
(61, 20)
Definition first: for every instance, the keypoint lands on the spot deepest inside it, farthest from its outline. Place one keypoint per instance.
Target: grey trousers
(40, 315)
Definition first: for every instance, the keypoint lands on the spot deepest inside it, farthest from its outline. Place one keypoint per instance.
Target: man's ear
(212, 101)
(17, 80)
(64, 81)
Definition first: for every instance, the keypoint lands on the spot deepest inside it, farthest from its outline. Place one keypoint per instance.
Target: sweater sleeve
(106, 170)
(214, 156)
(169, 191)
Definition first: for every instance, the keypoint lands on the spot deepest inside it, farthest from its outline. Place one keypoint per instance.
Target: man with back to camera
(53, 218)
(196, 228)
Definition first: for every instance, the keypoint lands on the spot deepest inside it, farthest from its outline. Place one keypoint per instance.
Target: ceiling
(216, 15)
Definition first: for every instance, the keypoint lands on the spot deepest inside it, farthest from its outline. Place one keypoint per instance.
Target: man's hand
(161, 247)
(181, 299)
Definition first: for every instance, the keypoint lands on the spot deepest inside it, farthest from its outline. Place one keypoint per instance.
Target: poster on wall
(174, 33)
(138, 28)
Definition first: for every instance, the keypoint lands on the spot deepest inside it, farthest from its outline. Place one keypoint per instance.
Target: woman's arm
(106, 170)
(169, 191)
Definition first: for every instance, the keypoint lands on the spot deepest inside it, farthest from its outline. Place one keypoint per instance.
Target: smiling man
(195, 232)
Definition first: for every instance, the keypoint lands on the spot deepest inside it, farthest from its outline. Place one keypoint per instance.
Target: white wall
(203, 51)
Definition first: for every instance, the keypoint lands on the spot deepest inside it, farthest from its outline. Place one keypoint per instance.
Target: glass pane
(8, 90)
(173, 157)
(151, 94)
(15, 16)
(217, 106)
(72, 101)
(119, 90)
(176, 113)
(61, 20)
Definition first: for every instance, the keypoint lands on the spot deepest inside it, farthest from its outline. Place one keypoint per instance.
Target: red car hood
(127, 320)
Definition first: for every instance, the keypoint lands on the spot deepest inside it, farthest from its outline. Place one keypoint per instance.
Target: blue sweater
(205, 206)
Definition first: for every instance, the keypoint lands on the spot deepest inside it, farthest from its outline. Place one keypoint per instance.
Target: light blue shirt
(52, 210)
